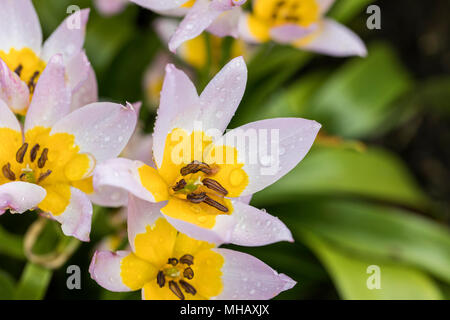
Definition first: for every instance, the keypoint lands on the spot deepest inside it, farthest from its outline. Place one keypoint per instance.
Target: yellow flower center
(170, 265)
(274, 13)
(26, 64)
(52, 162)
(279, 12)
(196, 177)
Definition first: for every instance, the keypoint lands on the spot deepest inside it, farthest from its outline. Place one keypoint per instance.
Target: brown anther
(21, 153)
(32, 82)
(179, 185)
(187, 259)
(214, 185)
(33, 152)
(187, 287)
(42, 176)
(173, 261)
(197, 197)
(215, 204)
(161, 279)
(175, 288)
(18, 70)
(7, 172)
(188, 273)
(43, 158)
(196, 166)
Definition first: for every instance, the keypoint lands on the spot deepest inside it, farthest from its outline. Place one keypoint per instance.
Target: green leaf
(359, 99)
(373, 173)
(106, 37)
(376, 231)
(345, 10)
(350, 275)
(33, 282)
(7, 286)
(11, 245)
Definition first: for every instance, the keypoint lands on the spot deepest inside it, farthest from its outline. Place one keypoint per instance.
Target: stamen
(32, 82)
(179, 185)
(196, 197)
(8, 173)
(21, 153)
(188, 273)
(215, 204)
(44, 175)
(160, 279)
(33, 152)
(187, 259)
(18, 70)
(175, 288)
(43, 159)
(187, 287)
(196, 166)
(214, 185)
(173, 261)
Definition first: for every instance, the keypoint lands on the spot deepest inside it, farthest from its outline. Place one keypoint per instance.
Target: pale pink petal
(101, 129)
(20, 196)
(13, 90)
(220, 233)
(141, 214)
(82, 80)
(105, 270)
(137, 107)
(290, 32)
(77, 218)
(140, 148)
(160, 5)
(256, 227)
(227, 4)
(194, 23)
(19, 26)
(111, 197)
(110, 7)
(245, 277)
(227, 23)
(325, 5)
(270, 148)
(175, 12)
(335, 39)
(244, 30)
(51, 99)
(165, 28)
(8, 119)
(122, 174)
(222, 95)
(245, 199)
(68, 38)
(179, 108)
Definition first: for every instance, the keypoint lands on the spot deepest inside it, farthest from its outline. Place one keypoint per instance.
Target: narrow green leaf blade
(33, 283)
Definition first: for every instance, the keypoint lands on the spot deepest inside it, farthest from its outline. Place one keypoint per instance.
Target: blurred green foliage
(350, 203)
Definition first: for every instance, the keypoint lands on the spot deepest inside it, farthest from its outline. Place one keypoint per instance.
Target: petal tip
(289, 283)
